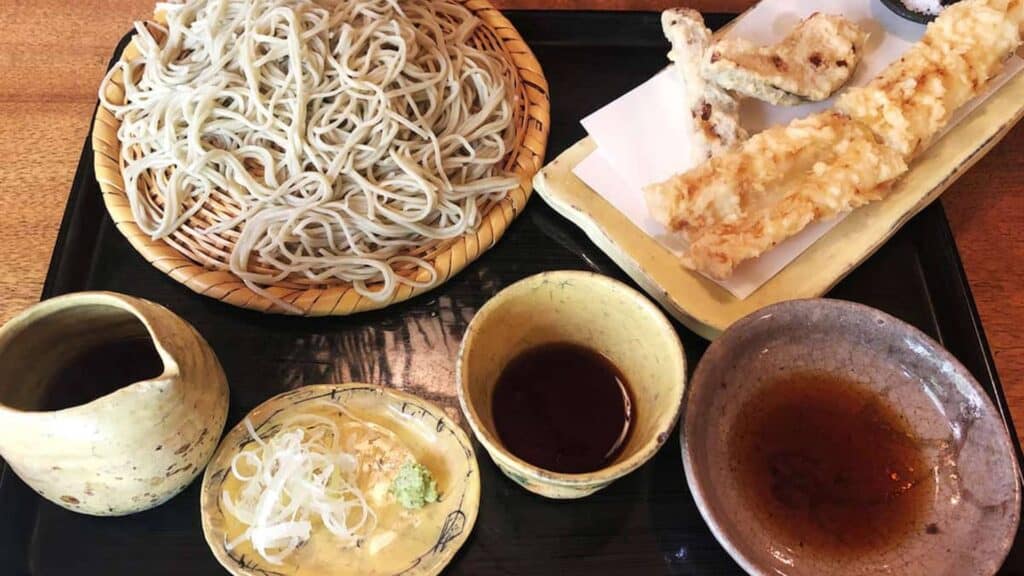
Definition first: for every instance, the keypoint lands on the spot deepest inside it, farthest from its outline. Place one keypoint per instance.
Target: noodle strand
(351, 137)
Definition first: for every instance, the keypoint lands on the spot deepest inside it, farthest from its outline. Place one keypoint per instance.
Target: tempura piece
(745, 201)
(813, 61)
(857, 175)
(748, 177)
(741, 203)
(716, 125)
(914, 98)
(1014, 11)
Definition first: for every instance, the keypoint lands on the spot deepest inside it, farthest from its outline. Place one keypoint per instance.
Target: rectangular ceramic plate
(705, 307)
(645, 523)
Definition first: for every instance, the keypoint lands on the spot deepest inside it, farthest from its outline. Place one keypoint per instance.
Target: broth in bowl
(829, 465)
(563, 407)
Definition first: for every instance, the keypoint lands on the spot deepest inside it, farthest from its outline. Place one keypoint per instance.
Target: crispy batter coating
(744, 201)
(859, 174)
(914, 98)
(715, 112)
(813, 61)
(750, 176)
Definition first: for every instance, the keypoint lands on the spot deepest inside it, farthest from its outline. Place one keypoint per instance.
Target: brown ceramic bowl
(969, 524)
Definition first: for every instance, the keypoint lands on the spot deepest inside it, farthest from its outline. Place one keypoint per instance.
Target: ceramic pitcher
(128, 450)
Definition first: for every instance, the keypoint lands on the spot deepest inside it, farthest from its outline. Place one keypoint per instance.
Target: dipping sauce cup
(588, 310)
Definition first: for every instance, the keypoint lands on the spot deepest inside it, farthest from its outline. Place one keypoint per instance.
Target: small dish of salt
(923, 11)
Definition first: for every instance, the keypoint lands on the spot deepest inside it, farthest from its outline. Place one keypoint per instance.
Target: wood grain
(53, 54)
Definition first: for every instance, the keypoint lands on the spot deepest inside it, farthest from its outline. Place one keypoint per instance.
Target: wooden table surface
(53, 54)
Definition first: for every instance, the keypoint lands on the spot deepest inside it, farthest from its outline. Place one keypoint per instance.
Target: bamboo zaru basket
(200, 261)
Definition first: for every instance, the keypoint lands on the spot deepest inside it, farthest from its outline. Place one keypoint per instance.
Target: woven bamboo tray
(200, 262)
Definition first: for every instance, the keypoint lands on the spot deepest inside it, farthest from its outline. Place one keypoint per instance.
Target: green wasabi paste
(413, 486)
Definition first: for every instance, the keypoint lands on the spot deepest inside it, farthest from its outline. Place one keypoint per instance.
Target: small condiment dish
(901, 9)
(971, 506)
(592, 311)
(420, 548)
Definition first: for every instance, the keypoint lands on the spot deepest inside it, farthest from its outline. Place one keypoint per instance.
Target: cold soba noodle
(353, 137)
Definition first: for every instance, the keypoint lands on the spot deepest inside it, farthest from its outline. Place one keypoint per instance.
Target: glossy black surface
(644, 524)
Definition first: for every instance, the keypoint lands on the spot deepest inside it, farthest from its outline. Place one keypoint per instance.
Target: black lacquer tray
(645, 523)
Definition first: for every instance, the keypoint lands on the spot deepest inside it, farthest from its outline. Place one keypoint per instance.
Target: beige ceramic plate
(705, 307)
(424, 550)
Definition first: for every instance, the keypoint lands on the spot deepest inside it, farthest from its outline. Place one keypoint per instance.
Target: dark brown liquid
(827, 464)
(101, 370)
(563, 407)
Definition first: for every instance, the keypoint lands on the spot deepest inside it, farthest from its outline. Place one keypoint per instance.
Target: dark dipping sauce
(826, 464)
(563, 408)
(102, 369)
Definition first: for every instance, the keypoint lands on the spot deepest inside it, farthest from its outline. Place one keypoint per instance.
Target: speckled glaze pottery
(422, 549)
(968, 526)
(124, 452)
(593, 311)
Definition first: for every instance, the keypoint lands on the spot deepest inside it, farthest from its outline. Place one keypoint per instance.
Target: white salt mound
(924, 6)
